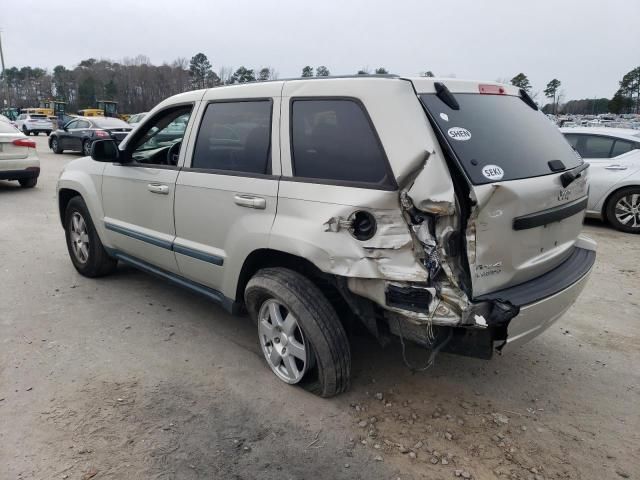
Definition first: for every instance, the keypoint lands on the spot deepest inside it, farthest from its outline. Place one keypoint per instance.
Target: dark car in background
(79, 133)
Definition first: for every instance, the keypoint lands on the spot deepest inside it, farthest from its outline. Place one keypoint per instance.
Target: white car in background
(136, 118)
(614, 156)
(34, 123)
(18, 157)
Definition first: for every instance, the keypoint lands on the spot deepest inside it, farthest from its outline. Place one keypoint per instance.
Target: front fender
(85, 177)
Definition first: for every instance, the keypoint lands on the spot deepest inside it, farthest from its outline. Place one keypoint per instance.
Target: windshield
(107, 122)
(499, 137)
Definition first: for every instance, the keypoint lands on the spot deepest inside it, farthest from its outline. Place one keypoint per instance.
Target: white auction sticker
(492, 172)
(459, 133)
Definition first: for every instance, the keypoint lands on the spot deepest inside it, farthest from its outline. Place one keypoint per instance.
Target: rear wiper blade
(444, 94)
(567, 177)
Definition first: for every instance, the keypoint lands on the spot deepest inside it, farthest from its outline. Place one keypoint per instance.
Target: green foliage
(243, 75)
(381, 71)
(521, 81)
(586, 106)
(200, 70)
(110, 90)
(87, 92)
(627, 98)
(264, 74)
(363, 71)
(307, 71)
(428, 73)
(551, 90)
(322, 71)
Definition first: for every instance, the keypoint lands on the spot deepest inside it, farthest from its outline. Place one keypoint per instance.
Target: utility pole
(3, 90)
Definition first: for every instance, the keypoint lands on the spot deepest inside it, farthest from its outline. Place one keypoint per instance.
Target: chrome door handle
(250, 201)
(158, 188)
(615, 167)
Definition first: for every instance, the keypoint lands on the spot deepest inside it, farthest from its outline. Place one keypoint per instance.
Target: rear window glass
(334, 140)
(37, 115)
(108, 122)
(499, 137)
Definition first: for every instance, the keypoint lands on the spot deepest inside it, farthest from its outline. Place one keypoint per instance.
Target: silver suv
(446, 213)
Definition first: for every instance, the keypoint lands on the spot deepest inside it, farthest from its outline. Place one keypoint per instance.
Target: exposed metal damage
(424, 293)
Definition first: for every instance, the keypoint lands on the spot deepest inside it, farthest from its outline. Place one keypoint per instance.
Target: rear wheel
(86, 148)
(48, 132)
(55, 145)
(28, 182)
(623, 210)
(35, 134)
(25, 131)
(300, 335)
(85, 248)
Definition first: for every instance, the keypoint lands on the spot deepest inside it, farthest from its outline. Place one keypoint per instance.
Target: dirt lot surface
(128, 377)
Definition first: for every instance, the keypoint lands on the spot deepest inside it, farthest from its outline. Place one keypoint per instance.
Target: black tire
(55, 145)
(330, 368)
(86, 148)
(613, 207)
(98, 262)
(28, 182)
(25, 131)
(35, 134)
(48, 132)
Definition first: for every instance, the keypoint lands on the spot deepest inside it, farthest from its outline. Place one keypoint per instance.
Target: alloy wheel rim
(627, 210)
(282, 341)
(87, 148)
(79, 238)
(54, 144)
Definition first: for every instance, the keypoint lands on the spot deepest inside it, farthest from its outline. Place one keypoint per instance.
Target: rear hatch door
(522, 221)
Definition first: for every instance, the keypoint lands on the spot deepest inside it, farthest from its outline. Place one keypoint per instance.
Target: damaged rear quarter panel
(299, 229)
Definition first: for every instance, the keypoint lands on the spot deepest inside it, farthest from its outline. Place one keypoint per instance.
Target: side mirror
(105, 151)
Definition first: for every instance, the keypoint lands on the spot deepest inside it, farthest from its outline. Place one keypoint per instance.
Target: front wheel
(55, 145)
(25, 131)
(300, 334)
(83, 243)
(623, 210)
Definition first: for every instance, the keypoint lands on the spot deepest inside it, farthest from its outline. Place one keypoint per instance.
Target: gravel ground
(129, 377)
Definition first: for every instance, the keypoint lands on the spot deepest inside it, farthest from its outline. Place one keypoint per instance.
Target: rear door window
(499, 137)
(595, 146)
(621, 147)
(333, 139)
(236, 137)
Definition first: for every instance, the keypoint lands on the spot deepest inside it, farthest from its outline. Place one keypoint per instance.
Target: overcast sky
(587, 44)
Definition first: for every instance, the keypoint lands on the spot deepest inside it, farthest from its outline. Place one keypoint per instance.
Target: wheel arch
(270, 258)
(64, 197)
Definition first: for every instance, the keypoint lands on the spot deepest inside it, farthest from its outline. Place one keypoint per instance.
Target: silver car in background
(614, 156)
